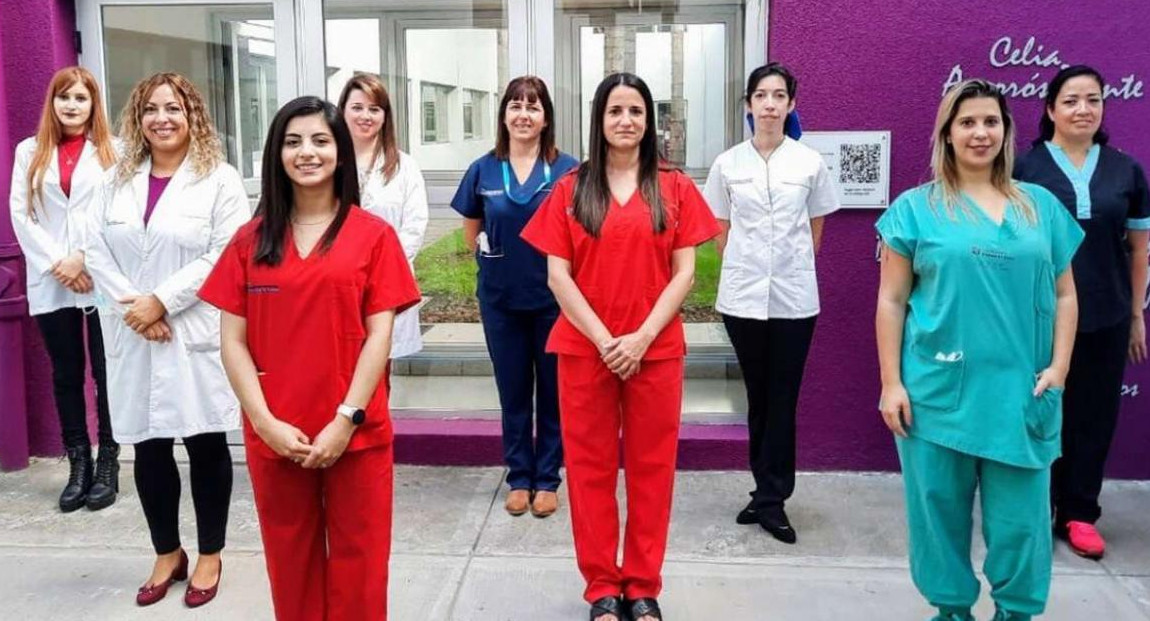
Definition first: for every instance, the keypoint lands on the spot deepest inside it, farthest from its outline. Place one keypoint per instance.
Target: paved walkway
(458, 556)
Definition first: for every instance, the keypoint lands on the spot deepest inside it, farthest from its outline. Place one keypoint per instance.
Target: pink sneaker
(1085, 540)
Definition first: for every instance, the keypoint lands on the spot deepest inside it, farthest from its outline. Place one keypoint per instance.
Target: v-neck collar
(1079, 177)
(976, 206)
(315, 247)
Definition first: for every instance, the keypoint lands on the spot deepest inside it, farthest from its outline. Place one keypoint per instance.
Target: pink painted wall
(36, 41)
(882, 66)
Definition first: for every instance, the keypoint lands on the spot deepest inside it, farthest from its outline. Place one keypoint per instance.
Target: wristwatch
(352, 413)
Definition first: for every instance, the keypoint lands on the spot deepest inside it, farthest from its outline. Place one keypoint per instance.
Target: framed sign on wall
(859, 162)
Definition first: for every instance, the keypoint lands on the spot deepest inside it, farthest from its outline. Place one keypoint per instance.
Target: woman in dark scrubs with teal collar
(1106, 191)
(497, 196)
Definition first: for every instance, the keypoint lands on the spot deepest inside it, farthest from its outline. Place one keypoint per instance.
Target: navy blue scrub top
(513, 275)
(1107, 196)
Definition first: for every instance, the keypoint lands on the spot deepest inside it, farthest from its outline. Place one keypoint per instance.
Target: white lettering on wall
(1006, 53)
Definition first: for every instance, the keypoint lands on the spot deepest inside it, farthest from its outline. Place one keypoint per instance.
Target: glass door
(234, 52)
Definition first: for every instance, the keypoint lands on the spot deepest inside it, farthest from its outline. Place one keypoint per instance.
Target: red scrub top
(623, 272)
(306, 320)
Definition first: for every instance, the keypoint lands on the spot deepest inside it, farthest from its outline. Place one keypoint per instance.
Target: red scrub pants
(326, 534)
(594, 404)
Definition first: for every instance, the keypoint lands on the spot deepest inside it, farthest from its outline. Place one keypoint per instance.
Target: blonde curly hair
(205, 151)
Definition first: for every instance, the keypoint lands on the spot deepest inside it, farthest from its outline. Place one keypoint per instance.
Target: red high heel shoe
(194, 597)
(148, 595)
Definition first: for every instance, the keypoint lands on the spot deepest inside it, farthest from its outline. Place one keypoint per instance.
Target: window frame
(531, 27)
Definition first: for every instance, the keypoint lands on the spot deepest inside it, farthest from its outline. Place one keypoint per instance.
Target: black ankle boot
(79, 478)
(106, 483)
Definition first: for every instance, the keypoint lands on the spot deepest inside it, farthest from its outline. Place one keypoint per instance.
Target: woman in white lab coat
(53, 181)
(162, 221)
(391, 185)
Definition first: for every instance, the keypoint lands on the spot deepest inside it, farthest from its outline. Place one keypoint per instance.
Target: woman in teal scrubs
(975, 325)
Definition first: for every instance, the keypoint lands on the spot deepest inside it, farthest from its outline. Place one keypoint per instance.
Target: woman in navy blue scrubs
(497, 196)
(1106, 191)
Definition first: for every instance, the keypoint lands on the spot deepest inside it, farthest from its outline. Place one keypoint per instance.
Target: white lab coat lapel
(169, 200)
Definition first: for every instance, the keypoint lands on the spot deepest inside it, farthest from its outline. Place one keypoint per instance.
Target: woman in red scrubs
(620, 237)
(309, 290)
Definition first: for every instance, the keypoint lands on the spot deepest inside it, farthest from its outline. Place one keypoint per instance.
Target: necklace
(317, 222)
(71, 151)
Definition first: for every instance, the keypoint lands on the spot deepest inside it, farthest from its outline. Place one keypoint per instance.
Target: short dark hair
(530, 89)
(276, 193)
(767, 71)
(1045, 124)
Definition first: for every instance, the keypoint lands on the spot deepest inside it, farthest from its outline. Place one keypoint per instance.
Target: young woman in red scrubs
(620, 237)
(309, 290)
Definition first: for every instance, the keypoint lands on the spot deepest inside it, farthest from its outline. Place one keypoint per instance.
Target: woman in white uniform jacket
(166, 379)
(391, 185)
(53, 181)
(770, 195)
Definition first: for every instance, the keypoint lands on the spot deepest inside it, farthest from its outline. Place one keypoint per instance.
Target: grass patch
(446, 269)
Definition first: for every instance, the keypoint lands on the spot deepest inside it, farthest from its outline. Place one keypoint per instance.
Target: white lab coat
(769, 263)
(175, 389)
(402, 203)
(58, 227)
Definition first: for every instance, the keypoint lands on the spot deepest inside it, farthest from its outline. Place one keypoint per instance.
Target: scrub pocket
(933, 380)
(348, 311)
(1044, 415)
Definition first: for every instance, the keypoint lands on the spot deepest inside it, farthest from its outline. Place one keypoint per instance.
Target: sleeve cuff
(1138, 224)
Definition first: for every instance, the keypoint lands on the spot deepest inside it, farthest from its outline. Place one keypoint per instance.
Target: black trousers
(63, 332)
(772, 354)
(1089, 415)
(158, 483)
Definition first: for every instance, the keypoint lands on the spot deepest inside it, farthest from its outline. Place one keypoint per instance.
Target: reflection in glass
(228, 52)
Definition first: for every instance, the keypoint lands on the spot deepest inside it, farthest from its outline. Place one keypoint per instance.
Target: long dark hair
(276, 193)
(385, 144)
(592, 192)
(1045, 124)
(531, 89)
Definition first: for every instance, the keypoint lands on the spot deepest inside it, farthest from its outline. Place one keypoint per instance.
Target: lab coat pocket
(748, 205)
(934, 379)
(199, 328)
(191, 230)
(1044, 415)
(348, 309)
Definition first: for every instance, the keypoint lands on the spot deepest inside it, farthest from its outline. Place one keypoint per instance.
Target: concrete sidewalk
(458, 556)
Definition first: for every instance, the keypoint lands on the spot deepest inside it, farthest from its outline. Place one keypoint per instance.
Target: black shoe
(607, 606)
(106, 483)
(643, 607)
(774, 521)
(748, 515)
(75, 493)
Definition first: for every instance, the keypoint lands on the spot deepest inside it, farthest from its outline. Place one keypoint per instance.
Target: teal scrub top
(980, 322)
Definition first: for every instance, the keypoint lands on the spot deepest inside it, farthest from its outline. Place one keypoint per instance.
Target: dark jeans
(63, 332)
(158, 483)
(1089, 416)
(532, 447)
(772, 354)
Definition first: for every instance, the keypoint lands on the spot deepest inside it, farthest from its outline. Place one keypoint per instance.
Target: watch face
(358, 417)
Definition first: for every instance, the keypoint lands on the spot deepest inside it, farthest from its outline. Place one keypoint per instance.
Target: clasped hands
(69, 272)
(145, 316)
(622, 354)
(288, 441)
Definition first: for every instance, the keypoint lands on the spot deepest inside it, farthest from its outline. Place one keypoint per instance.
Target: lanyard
(507, 183)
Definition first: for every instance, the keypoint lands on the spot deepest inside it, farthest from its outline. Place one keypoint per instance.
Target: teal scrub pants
(940, 485)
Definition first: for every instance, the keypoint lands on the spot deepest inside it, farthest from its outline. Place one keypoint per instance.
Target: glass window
(475, 119)
(443, 61)
(689, 54)
(227, 51)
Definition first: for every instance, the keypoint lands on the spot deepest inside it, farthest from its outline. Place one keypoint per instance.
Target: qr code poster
(859, 163)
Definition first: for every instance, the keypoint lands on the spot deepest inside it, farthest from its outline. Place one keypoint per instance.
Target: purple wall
(882, 66)
(36, 41)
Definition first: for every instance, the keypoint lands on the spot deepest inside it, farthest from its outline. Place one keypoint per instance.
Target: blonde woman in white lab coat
(53, 181)
(164, 216)
(391, 185)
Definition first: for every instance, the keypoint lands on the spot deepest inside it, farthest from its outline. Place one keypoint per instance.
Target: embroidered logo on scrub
(992, 257)
(953, 356)
(255, 289)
